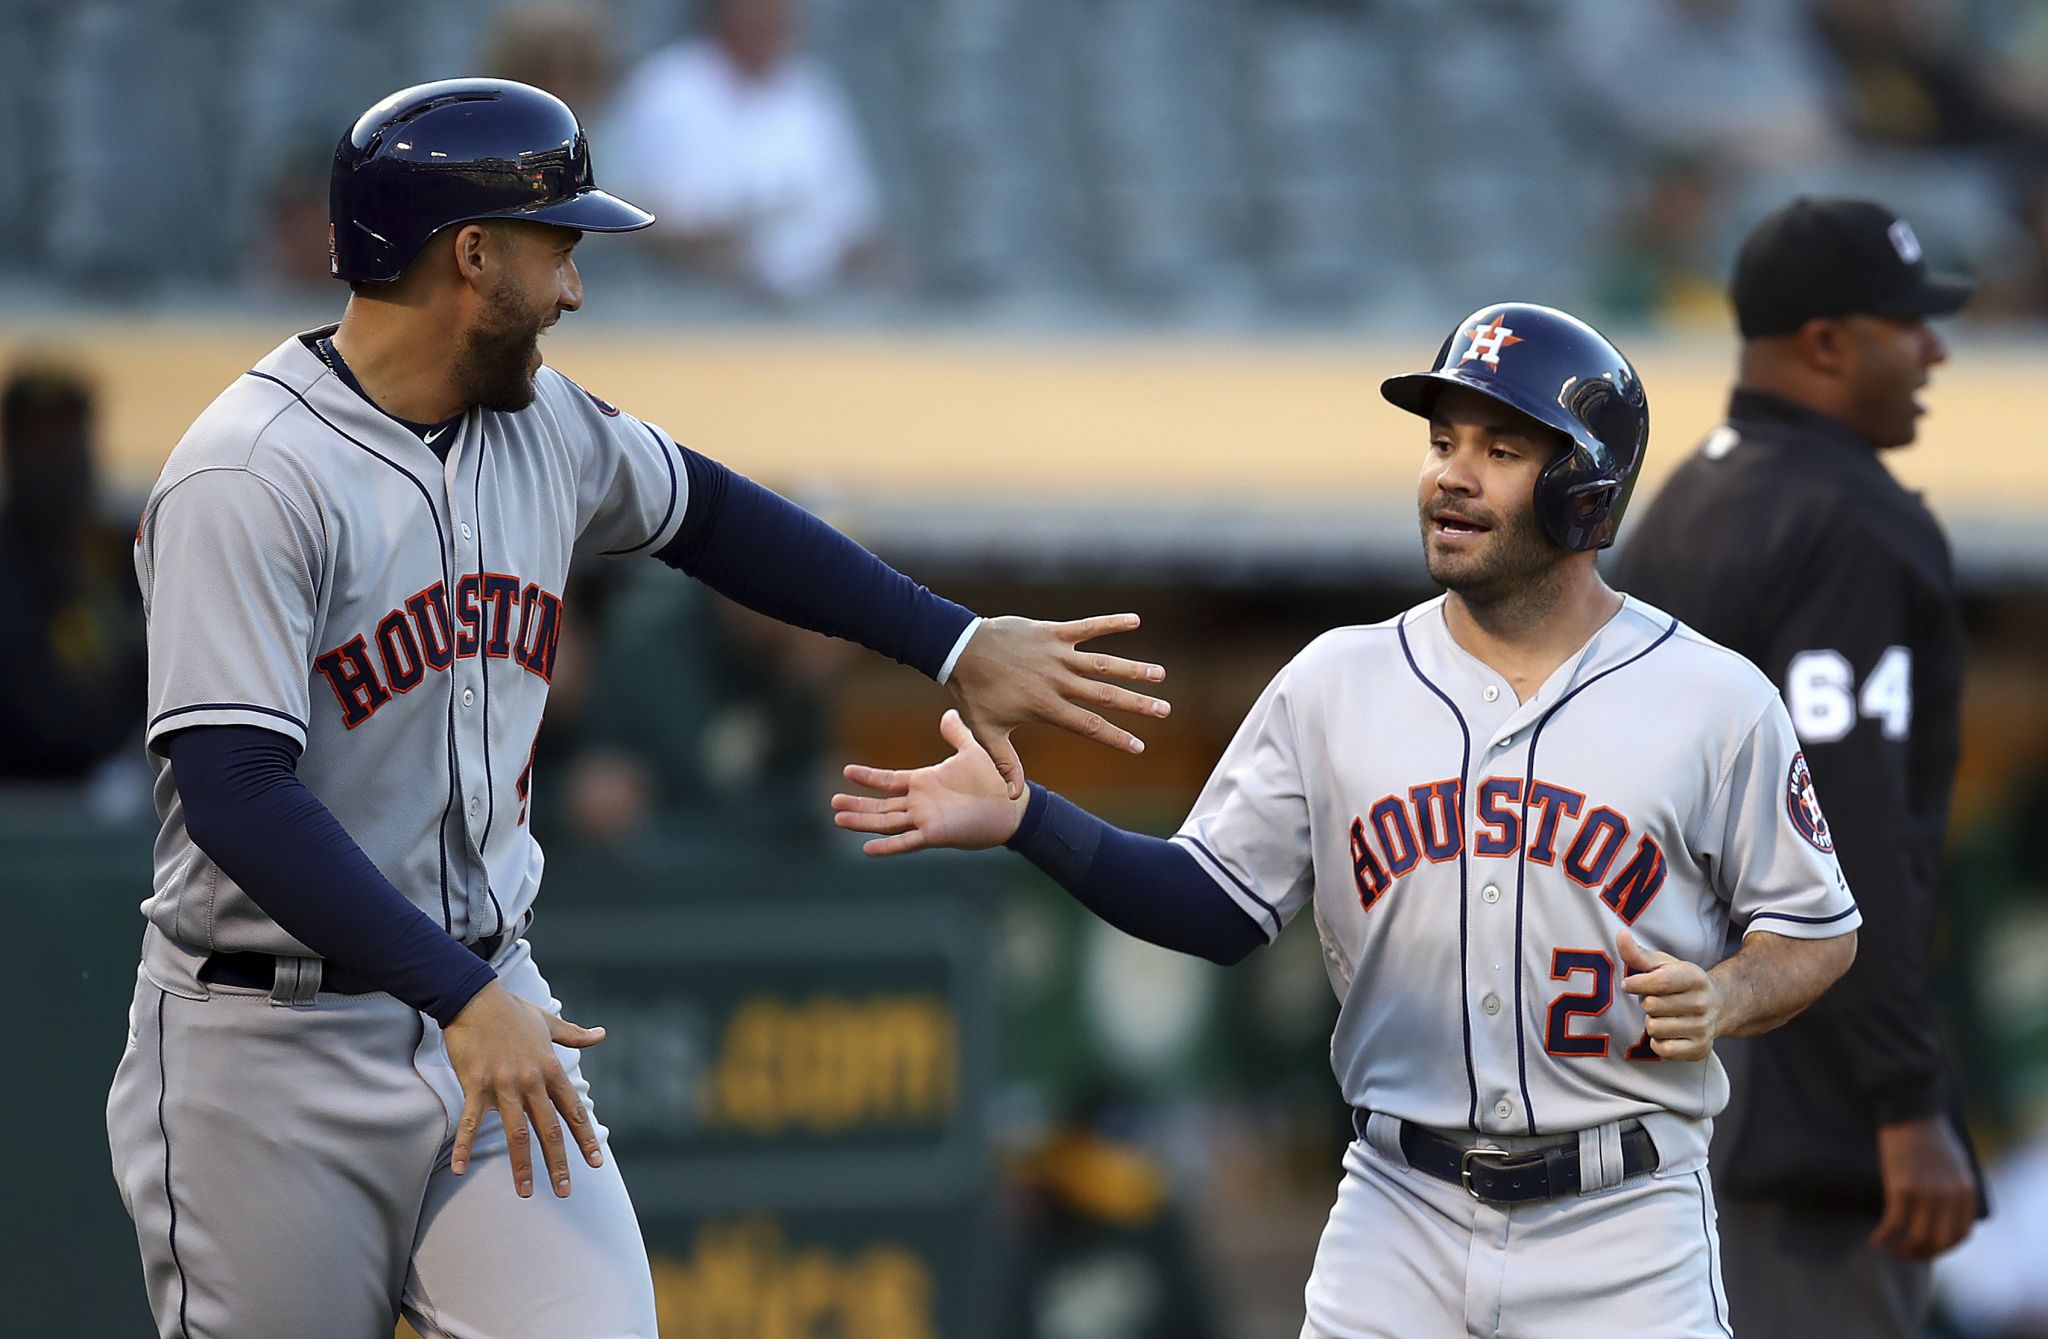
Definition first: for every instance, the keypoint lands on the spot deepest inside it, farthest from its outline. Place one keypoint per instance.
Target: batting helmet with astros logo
(1566, 375)
(458, 151)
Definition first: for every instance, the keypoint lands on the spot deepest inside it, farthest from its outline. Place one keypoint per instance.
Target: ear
(476, 253)
(1825, 346)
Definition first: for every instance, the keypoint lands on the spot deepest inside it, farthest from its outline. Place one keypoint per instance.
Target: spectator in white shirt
(748, 154)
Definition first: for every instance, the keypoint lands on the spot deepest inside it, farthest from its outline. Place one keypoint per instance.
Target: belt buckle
(1465, 1168)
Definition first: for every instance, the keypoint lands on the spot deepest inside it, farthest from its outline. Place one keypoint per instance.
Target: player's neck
(402, 361)
(1526, 634)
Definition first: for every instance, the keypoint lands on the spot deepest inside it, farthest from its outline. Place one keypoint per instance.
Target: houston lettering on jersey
(1549, 823)
(494, 615)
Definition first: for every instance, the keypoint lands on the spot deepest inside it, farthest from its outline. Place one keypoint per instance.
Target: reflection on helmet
(453, 152)
(1566, 375)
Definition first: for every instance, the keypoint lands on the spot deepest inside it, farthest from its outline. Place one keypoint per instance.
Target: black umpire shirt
(1785, 538)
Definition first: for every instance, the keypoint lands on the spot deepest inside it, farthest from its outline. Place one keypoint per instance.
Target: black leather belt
(1498, 1176)
(256, 971)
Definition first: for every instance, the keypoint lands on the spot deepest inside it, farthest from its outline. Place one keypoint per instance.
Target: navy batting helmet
(454, 152)
(1566, 375)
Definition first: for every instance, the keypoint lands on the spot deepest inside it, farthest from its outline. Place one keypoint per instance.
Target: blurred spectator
(1995, 993)
(1722, 81)
(289, 259)
(562, 48)
(2021, 287)
(1955, 123)
(71, 665)
(749, 156)
(1992, 1286)
(690, 702)
(1910, 76)
(1101, 1251)
(1661, 266)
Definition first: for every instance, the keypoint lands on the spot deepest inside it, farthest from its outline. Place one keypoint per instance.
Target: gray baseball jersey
(1471, 858)
(310, 566)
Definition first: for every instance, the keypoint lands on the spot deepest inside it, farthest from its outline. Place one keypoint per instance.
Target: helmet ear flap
(1575, 501)
(1588, 504)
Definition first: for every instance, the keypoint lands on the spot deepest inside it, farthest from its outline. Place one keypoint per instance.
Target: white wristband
(953, 656)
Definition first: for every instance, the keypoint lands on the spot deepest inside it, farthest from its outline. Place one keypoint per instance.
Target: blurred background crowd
(1164, 160)
(1295, 185)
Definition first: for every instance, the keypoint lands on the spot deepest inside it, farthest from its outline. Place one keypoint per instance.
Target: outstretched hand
(962, 802)
(1015, 671)
(1683, 1002)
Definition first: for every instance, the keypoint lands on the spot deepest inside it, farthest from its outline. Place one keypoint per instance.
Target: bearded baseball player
(1526, 814)
(341, 1054)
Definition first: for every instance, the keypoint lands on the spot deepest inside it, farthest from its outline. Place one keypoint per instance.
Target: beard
(1513, 560)
(494, 365)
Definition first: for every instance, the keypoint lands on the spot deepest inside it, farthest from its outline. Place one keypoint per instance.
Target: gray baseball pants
(1406, 1256)
(286, 1165)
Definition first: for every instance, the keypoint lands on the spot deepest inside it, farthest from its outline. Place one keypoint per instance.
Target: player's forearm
(246, 808)
(1145, 886)
(774, 557)
(1771, 978)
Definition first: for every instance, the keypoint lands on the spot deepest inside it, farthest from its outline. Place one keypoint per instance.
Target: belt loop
(294, 982)
(1383, 1132)
(1600, 1160)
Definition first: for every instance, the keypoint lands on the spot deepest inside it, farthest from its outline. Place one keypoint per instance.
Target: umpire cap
(1566, 375)
(1830, 257)
(456, 151)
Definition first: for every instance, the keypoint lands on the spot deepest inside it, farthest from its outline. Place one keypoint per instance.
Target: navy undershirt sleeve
(772, 556)
(1144, 886)
(247, 809)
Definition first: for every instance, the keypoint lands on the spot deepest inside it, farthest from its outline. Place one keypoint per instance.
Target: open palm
(1016, 671)
(963, 802)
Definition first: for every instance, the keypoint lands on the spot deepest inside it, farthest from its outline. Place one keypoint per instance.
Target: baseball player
(1525, 813)
(1843, 1162)
(341, 1054)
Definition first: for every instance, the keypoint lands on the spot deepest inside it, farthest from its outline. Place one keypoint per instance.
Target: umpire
(1841, 1164)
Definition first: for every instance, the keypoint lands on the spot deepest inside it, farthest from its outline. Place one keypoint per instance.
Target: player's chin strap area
(1502, 1176)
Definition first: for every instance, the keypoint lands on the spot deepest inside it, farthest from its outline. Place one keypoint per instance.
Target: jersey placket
(470, 684)
(1493, 963)
(1505, 1023)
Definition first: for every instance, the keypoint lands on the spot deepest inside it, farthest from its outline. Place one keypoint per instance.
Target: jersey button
(1491, 694)
(1503, 1108)
(465, 532)
(1491, 1003)
(468, 697)
(475, 807)
(1490, 893)
(1506, 740)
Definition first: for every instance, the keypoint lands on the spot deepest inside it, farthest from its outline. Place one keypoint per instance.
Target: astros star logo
(1488, 341)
